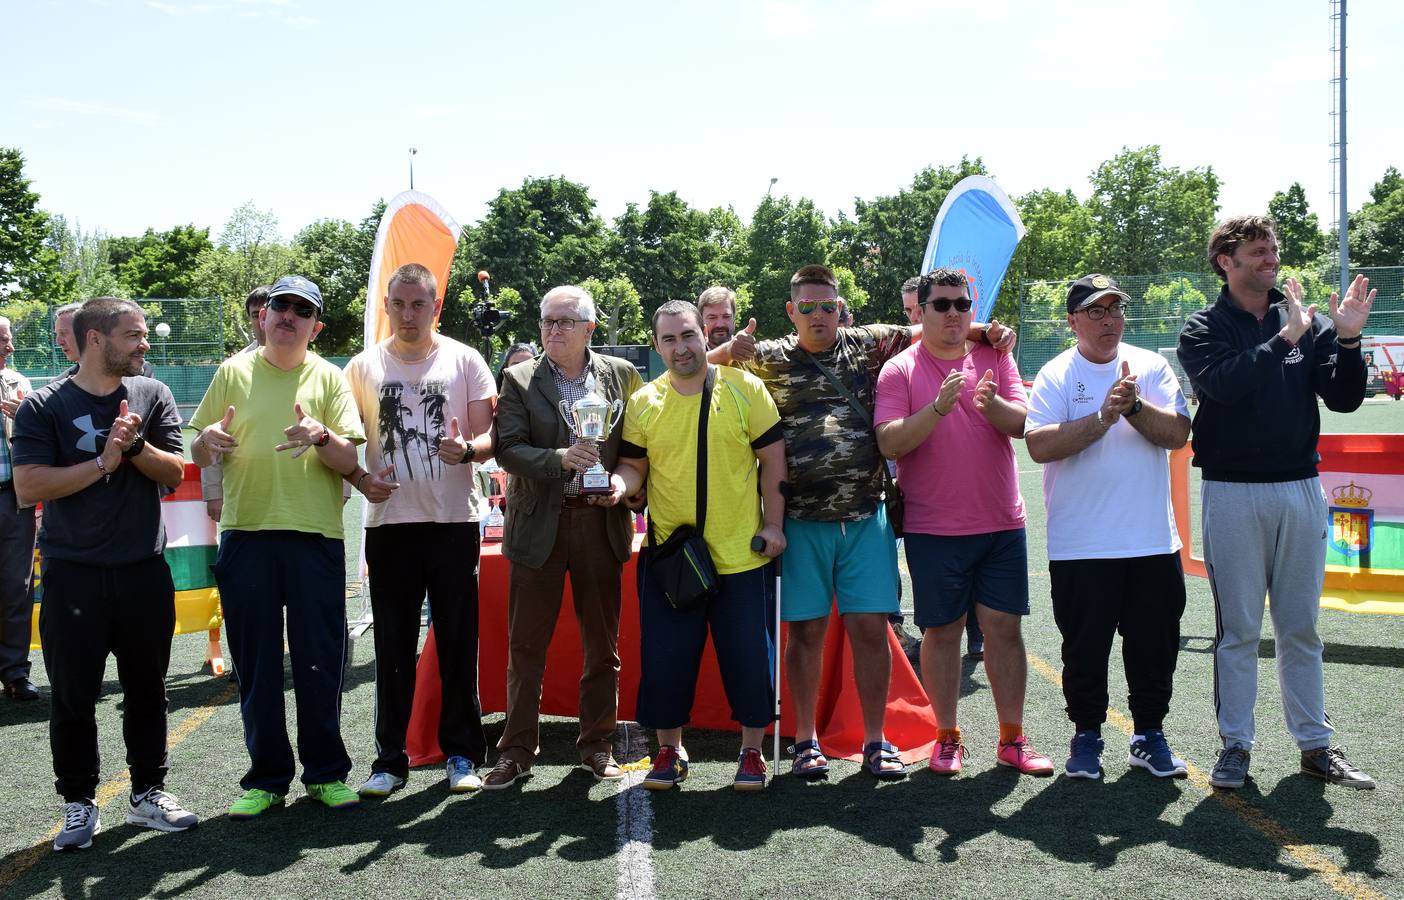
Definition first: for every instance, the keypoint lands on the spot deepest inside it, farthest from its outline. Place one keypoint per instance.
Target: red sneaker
(1020, 754)
(948, 758)
(669, 769)
(750, 771)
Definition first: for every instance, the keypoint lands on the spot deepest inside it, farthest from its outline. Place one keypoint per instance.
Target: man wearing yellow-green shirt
(660, 451)
(283, 423)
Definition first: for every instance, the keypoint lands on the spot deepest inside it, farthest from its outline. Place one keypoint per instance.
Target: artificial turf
(987, 832)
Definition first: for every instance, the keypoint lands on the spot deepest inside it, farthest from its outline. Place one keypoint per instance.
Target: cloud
(183, 9)
(97, 110)
(284, 11)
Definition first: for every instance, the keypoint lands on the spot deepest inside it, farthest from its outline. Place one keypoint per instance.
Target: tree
(884, 243)
(784, 236)
(618, 311)
(1059, 244)
(1299, 235)
(1377, 228)
(249, 253)
(337, 256)
(159, 263)
(1165, 306)
(670, 251)
(541, 235)
(28, 268)
(1149, 217)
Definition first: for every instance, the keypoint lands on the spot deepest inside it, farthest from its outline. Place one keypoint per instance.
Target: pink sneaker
(948, 758)
(1020, 754)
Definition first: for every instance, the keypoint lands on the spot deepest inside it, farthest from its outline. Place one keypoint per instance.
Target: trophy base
(595, 483)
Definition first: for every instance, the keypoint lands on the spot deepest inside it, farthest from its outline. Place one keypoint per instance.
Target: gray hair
(584, 303)
(4, 321)
(67, 309)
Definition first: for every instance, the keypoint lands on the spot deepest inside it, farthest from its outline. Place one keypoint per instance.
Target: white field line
(634, 849)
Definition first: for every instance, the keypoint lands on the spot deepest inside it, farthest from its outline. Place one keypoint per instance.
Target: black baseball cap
(1091, 288)
(297, 286)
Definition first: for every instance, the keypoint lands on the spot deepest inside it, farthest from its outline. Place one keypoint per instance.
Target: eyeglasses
(807, 307)
(303, 310)
(1096, 313)
(944, 304)
(563, 324)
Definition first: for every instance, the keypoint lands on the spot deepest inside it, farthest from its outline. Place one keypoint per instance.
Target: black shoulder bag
(681, 566)
(892, 494)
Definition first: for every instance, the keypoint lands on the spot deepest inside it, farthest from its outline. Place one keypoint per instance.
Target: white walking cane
(758, 545)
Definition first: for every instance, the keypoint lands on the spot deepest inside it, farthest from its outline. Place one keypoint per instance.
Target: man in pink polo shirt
(948, 410)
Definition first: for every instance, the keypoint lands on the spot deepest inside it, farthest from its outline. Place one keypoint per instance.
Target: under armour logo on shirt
(88, 441)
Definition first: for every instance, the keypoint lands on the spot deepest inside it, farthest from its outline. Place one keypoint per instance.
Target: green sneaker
(334, 794)
(255, 802)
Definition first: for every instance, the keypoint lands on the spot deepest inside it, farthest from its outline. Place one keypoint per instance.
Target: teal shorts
(853, 561)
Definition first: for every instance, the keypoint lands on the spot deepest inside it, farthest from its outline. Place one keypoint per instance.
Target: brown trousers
(533, 605)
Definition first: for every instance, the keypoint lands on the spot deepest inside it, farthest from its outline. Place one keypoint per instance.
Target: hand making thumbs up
(305, 432)
(743, 346)
(217, 438)
(452, 447)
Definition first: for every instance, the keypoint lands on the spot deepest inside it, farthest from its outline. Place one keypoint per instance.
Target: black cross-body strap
(865, 415)
(833, 379)
(701, 456)
(702, 447)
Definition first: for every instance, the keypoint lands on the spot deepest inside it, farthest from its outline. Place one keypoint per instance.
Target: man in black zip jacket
(1257, 361)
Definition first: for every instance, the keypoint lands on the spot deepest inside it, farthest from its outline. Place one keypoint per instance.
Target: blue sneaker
(1153, 753)
(1085, 757)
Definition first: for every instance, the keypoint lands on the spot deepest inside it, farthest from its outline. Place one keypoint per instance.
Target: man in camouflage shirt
(839, 542)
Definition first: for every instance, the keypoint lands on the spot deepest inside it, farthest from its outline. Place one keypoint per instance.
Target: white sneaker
(161, 811)
(461, 776)
(80, 823)
(381, 784)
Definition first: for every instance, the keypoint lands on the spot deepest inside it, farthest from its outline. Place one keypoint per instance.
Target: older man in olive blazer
(552, 529)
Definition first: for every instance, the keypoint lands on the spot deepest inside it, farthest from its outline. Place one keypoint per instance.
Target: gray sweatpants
(1267, 540)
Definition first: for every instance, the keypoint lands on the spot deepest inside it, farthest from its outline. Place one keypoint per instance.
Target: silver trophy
(591, 419)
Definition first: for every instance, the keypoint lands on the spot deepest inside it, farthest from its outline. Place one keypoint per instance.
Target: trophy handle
(568, 414)
(616, 413)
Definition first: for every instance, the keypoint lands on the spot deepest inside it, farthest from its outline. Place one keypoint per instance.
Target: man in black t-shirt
(96, 449)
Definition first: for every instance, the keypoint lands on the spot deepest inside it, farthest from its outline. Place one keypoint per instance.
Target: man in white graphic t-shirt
(1102, 417)
(427, 402)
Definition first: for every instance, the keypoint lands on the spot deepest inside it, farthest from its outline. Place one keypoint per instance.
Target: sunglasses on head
(807, 307)
(282, 304)
(944, 304)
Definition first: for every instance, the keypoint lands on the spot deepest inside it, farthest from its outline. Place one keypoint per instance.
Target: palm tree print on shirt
(412, 422)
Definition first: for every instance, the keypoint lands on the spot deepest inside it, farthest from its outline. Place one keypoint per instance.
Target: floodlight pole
(1344, 214)
(412, 152)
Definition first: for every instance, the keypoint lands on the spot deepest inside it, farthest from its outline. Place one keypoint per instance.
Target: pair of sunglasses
(302, 310)
(944, 304)
(807, 307)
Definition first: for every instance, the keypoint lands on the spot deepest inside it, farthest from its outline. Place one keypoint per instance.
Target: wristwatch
(324, 439)
(137, 446)
(1135, 408)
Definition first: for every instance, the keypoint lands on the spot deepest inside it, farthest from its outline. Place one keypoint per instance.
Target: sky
(155, 113)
